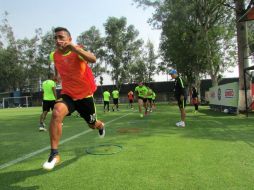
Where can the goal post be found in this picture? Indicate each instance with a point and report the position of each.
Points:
(14, 102)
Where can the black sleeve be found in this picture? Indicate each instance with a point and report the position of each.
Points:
(181, 87)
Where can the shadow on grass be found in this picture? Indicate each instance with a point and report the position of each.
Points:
(217, 126)
(206, 124)
(11, 180)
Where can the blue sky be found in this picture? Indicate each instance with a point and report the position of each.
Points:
(77, 15)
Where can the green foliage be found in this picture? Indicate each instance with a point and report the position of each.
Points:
(9, 72)
(25, 62)
(138, 71)
(123, 48)
(92, 41)
(46, 46)
(197, 36)
(22, 61)
(150, 60)
(251, 36)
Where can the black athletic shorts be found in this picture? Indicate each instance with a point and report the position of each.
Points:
(149, 100)
(181, 103)
(106, 102)
(144, 99)
(115, 101)
(48, 105)
(85, 107)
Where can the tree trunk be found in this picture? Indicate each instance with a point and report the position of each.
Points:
(213, 71)
(214, 80)
(242, 41)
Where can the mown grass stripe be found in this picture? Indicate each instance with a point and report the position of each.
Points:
(20, 159)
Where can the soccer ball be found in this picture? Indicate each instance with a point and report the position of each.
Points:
(225, 110)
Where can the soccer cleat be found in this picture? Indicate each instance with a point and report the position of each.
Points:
(51, 162)
(102, 131)
(178, 123)
(42, 128)
(181, 124)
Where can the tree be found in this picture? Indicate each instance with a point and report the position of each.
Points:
(26, 74)
(92, 41)
(8, 57)
(46, 46)
(150, 60)
(193, 34)
(216, 22)
(18, 60)
(242, 41)
(138, 72)
(123, 48)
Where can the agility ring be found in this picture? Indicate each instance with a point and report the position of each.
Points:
(104, 149)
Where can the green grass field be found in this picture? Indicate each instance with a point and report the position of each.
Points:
(214, 151)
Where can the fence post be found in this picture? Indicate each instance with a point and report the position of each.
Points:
(27, 101)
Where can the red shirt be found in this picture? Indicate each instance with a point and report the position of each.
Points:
(130, 96)
(77, 77)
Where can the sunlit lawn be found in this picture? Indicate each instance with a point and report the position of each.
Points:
(214, 151)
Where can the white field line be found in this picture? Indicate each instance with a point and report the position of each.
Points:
(20, 159)
(214, 121)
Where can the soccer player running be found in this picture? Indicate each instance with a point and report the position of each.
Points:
(78, 86)
(106, 97)
(180, 96)
(49, 98)
(141, 91)
(153, 100)
(130, 98)
(115, 95)
(149, 99)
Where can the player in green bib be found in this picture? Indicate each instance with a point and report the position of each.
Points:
(49, 98)
(153, 100)
(141, 91)
(115, 95)
(106, 97)
(149, 98)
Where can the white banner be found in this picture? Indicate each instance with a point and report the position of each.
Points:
(224, 95)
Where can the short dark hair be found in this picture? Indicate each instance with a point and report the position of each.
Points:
(58, 29)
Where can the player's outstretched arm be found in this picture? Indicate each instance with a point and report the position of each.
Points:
(86, 55)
